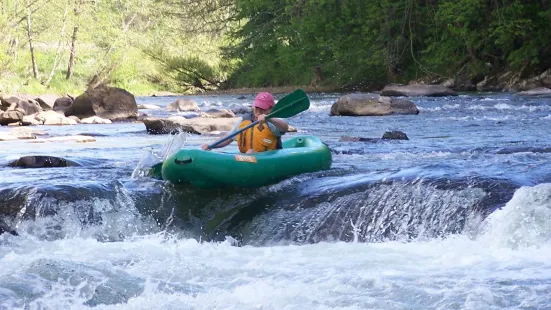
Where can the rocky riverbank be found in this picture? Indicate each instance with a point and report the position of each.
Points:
(105, 104)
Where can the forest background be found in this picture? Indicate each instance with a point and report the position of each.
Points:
(183, 46)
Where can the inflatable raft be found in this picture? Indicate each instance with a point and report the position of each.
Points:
(207, 169)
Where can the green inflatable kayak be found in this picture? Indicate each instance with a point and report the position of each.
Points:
(209, 169)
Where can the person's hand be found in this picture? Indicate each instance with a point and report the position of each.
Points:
(261, 118)
(250, 151)
(205, 147)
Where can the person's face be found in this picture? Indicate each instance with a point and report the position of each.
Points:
(258, 111)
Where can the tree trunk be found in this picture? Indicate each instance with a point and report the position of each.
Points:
(73, 52)
(30, 36)
(390, 48)
(58, 51)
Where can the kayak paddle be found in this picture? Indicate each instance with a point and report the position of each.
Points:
(288, 106)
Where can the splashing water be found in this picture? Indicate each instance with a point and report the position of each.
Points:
(150, 157)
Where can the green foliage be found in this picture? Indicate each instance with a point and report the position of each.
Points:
(487, 37)
(189, 45)
(359, 43)
(113, 41)
(351, 42)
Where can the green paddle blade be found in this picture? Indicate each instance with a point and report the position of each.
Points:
(291, 105)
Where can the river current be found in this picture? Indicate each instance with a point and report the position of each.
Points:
(456, 217)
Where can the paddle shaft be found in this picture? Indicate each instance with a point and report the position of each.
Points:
(215, 144)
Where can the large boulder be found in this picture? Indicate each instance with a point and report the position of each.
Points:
(414, 90)
(197, 125)
(106, 102)
(540, 91)
(47, 101)
(30, 120)
(490, 83)
(542, 80)
(47, 118)
(213, 113)
(371, 105)
(62, 104)
(22, 103)
(182, 105)
(242, 110)
(512, 81)
(460, 82)
(9, 117)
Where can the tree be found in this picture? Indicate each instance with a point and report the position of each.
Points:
(77, 10)
(59, 45)
(30, 39)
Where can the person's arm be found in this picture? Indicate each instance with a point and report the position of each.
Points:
(280, 124)
(226, 142)
(223, 144)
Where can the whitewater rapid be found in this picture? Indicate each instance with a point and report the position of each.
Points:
(503, 265)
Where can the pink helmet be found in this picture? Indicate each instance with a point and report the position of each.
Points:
(264, 101)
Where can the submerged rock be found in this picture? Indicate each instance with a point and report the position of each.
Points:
(357, 139)
(148, 106)
(21, 133)
(42, 162)
(389, 135)
(395, 135)
(78, 139)
(5, 228)
(95, 120)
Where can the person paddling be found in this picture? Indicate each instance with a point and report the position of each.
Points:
(265, 136)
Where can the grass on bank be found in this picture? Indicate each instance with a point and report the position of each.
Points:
(134, 72)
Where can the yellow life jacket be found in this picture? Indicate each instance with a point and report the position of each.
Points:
(260, 140)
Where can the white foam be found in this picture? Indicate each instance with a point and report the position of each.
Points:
(185, 274)
(525, 221)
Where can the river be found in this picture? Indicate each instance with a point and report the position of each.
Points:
(456, 217)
